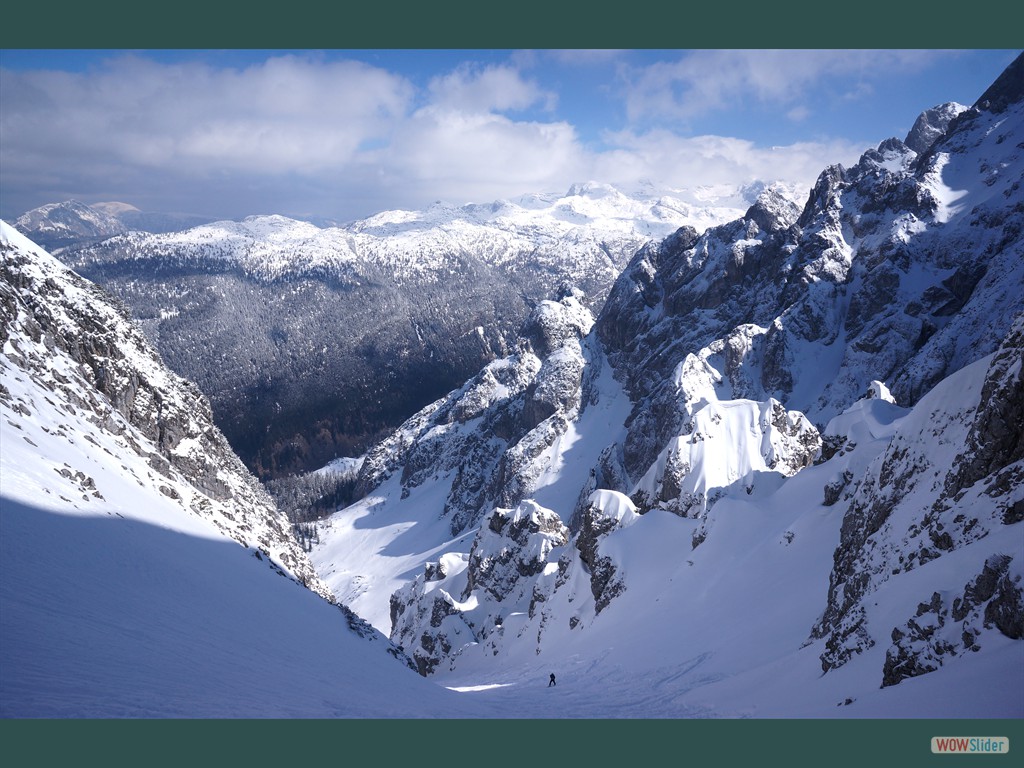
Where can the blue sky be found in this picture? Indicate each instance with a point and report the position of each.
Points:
(344, 134)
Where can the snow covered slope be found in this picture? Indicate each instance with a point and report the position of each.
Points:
(143, 571)
(123, 594)
(637, 622)
(711, 497)
(67, 346)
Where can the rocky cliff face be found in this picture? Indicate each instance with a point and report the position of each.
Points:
(452, 602)
(501, 447)
(903, 269)
(503, 594)
(74, 344)
(931, 125)
(493, 437)
(939, 631)
(937, 495)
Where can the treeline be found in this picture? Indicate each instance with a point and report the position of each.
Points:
(304, 498)
(307, 498)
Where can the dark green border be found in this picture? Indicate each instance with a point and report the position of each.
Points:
(529, 24)
(522, 24)
(831, 743)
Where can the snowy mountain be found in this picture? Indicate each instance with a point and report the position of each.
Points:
(309, 342)
(778, 474)
(125, 593)
(56, 225)
(72, 223)
(141, 567)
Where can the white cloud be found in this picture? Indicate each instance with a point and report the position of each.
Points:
(712, 160)
(493, 88)
(798, 114)
(478, 156)
(703, 81)
(285, 115)
(298, 135)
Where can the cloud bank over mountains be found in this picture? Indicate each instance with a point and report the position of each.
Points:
(328, 134)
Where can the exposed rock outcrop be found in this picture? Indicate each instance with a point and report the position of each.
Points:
(492, 436)
(941, 630)
(925, 498)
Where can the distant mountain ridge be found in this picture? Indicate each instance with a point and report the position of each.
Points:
(58, 224)
(411, 243)
(73, 223)
(326, 338)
